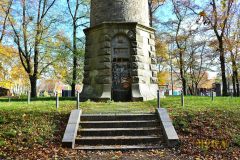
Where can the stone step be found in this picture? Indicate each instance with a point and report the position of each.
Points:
(119, 147)
(119, 124)
(118, 140)
(120, 131)
(117, 117)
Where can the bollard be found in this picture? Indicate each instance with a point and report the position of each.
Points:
(57, 101)
(78, 99)
(29, 97)
(158, 99)
(212, 95)
(182, 99)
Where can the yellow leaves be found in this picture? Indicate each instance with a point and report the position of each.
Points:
(161, 49)
(12, 71)
(7, 51)
(223, 4)
(6, 84)
(163, 78)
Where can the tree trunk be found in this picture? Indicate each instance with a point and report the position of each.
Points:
(74, 76)
(151, 18)
(235, 75)
(182, 74)
(234, 86)
(223, 69)
(196, 89)
(237, 84)
(234, 78)
(150, 13)
(33, 83)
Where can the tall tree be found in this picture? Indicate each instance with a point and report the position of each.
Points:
(232, 40)
(5, 8)
(29, 44)
(180, 39)
(76, 17)
(153, 7)
(216, 15)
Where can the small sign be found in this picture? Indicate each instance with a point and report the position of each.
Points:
(214, 94)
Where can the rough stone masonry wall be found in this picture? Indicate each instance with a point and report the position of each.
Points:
(97, 76)
(145, 58)
(119, 11)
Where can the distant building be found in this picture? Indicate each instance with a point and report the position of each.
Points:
(49, 87)
(4, 92)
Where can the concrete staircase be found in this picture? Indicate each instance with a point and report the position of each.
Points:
(119, 132)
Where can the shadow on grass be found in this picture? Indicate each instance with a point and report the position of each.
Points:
(16, 99)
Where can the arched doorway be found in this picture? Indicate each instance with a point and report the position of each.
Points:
(121, 69)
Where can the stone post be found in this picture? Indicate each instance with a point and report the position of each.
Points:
(182, 98)
(57, 101)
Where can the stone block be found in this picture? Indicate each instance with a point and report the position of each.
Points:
(107, 38)
(86, 80)
(168, 128)
(135, 72)
(154, 60)
(153, 67)
(152, 48)
(154, 80)
(170, 131)
(72, 128)
(154, 74)
(134, 44)
(105, 58)
(152, 54)
(138, 79)
(74, 117)
(86, 61)
(164, 117)
(131, 34)
(103, 79)
(87, 68)
(152, 42)
(104, 72)
(104, 65)
(106, 45)
(138, 58)
(140, 39)
(105, 51)
(137, 65)
(137, 51)
(86, 74)
(152, 36)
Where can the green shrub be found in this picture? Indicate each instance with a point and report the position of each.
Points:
(181, 123)
(2, 120)
(236, 140)
(2, 143)
(10, 134)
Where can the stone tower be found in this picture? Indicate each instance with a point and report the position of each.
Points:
(120, 60)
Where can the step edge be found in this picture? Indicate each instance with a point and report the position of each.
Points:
(116, 137)
(116, 129)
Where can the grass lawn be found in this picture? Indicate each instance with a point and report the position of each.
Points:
(207, 129)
